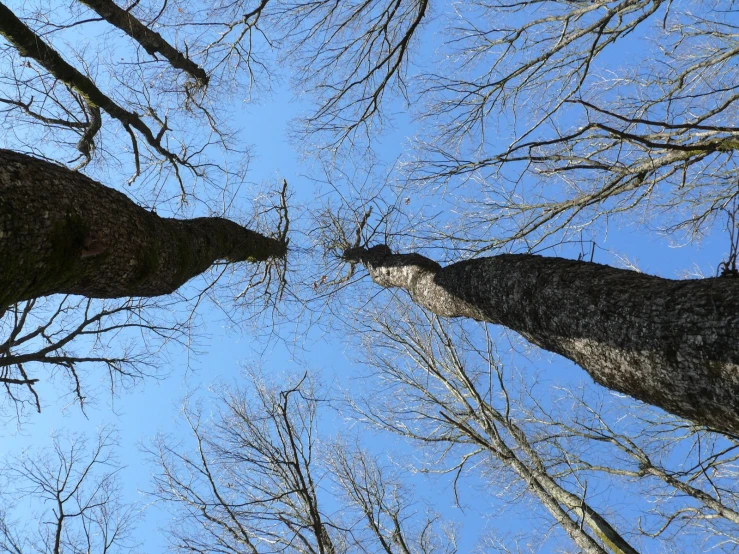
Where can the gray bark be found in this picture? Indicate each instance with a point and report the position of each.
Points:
(62, 232)
(672, 344)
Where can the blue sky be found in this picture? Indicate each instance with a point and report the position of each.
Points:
(154, 406)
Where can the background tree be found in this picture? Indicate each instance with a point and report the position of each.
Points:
(72, 102)
(645, 128)
(74, 496)
(261, 474)
(446, 389)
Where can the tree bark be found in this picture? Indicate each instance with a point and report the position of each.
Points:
(150, 40)
(62, 232)
(672, 344)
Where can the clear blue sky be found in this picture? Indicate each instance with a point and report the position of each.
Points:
(153, 407)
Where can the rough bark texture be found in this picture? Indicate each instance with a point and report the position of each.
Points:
(673, 344)
(150, 40)
(61, 232)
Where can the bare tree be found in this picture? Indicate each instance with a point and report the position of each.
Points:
(378, 506)
(65, 233)
(352, 74)
(259, 477)
(689, 474)
(351, 57)
(77, 492)
(446, 390)
(580, 146)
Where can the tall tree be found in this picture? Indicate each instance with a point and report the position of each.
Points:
(65, 233)
(580, 136)
(670, 343)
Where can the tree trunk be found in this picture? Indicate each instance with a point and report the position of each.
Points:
(62, 232)
(672, 344)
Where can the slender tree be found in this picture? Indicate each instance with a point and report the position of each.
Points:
(31, 45)
(78, 492)
(691, 493)
(612, 474)
(67, 96)
(260, 475)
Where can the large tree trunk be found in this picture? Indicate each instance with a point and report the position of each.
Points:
(61, 232)
(673, 344)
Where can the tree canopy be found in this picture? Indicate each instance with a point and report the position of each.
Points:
(475, 179)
